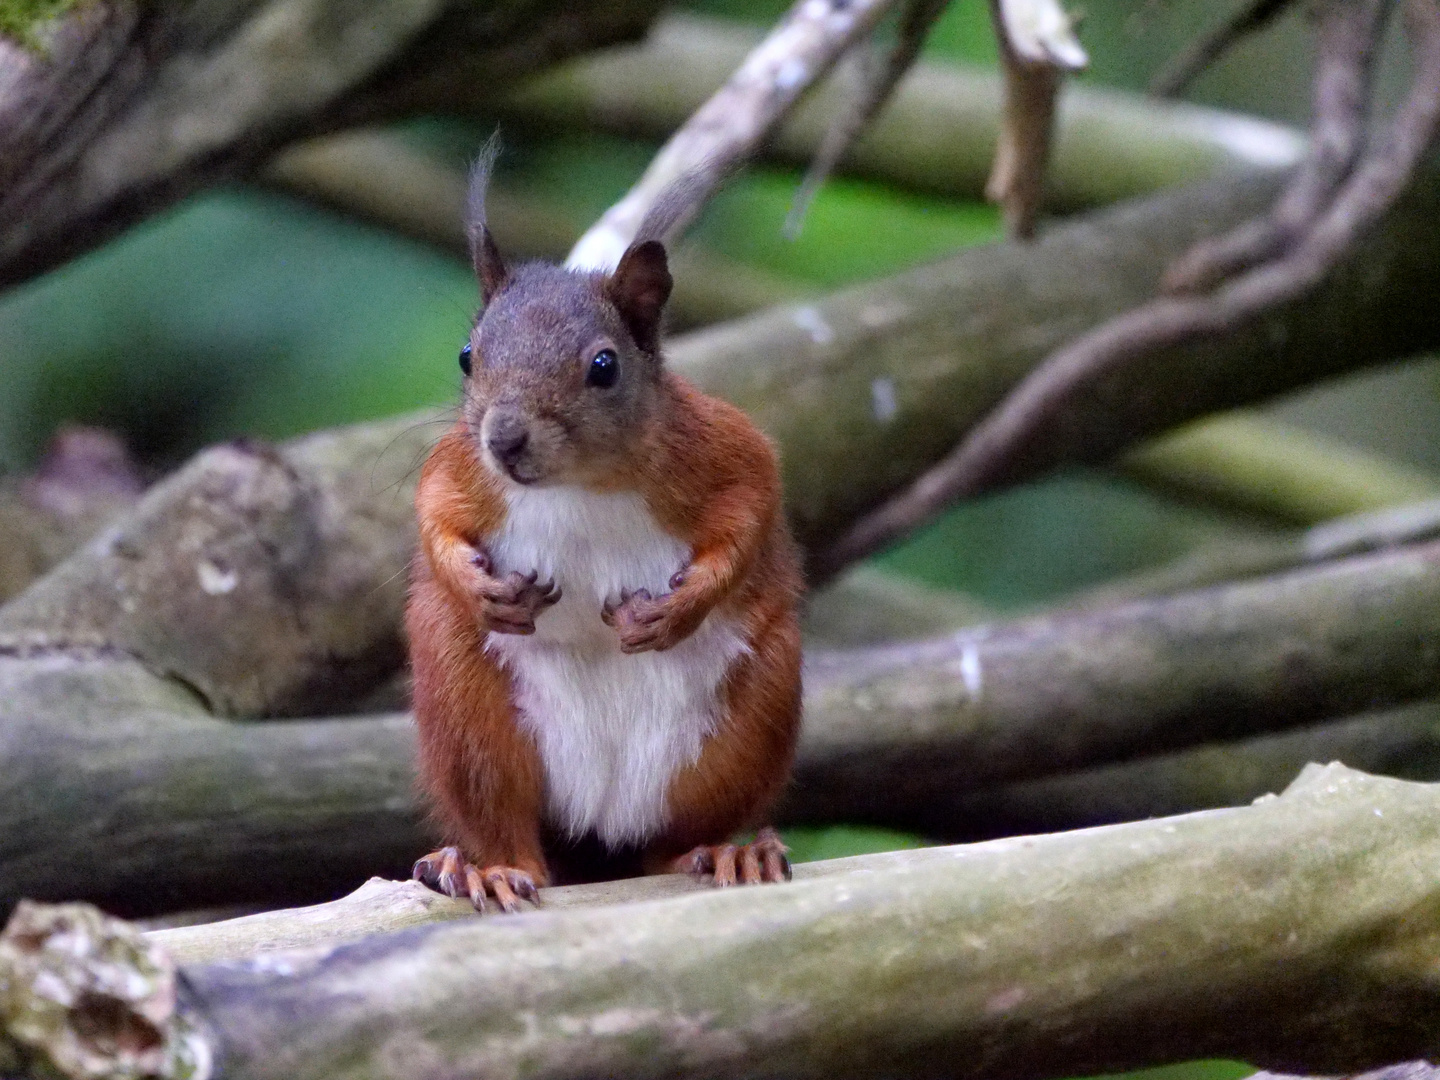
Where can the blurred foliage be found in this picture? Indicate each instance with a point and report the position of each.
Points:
(21, 19)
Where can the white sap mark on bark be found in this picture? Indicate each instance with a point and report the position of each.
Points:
(882, 399)
(813, 323)
(970, 669)
(791, 73)
(213, 580)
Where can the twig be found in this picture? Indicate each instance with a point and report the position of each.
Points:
(936, 134)
(1037, 45)
(1251, 16)
(1348, 41)
(874, 79)
(1010, 440)
(729, 127)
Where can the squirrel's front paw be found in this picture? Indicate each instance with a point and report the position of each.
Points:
(447, 871)
(645, 623)
(509, 604)
(762, 860)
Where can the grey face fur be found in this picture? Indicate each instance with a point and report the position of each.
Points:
(527, 402)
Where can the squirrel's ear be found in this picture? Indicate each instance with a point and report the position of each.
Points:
(489, 266)
(639, 288)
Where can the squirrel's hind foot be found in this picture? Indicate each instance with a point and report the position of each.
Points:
(762, 860)
(446, 871)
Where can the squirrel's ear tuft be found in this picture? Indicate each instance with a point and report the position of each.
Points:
(639, 288)
(489, 266)
(484, 255)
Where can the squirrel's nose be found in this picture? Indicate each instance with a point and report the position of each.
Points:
(506, 439)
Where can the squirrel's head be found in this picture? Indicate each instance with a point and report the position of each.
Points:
(562, 368)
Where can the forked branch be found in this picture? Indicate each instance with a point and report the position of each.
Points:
(1022, 430)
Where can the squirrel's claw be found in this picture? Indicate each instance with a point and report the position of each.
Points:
(448, 872)
(510, 604)
(644, 622)
(760, 861)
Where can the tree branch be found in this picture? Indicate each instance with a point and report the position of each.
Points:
(874, 75)
(1025, 699)
(1250, 17)
(1291, 933)
(936, 134)
(137, 105)
(729, 127)
(1022, 430)
(1348, 41)
(1403, 743)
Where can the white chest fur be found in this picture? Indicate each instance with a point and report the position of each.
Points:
(612, 729)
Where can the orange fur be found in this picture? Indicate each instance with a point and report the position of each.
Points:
(710, 479)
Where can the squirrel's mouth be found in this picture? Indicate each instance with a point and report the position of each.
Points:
(521, 471)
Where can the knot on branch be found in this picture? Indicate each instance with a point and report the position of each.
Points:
(88, 997)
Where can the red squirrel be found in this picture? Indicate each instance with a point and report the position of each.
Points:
(603, 612)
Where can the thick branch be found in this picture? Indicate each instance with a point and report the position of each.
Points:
(137, 105)
(1045, 695)
(1291, 934)
(1109, 388)
(1403, 743)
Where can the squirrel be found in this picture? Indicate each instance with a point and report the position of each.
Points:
(602, 614)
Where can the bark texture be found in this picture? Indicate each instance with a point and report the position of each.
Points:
(136, 105)
(1298, 933)
(892, 733)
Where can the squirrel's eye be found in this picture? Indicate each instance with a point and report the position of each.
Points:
(465, 359)
(604, 369)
